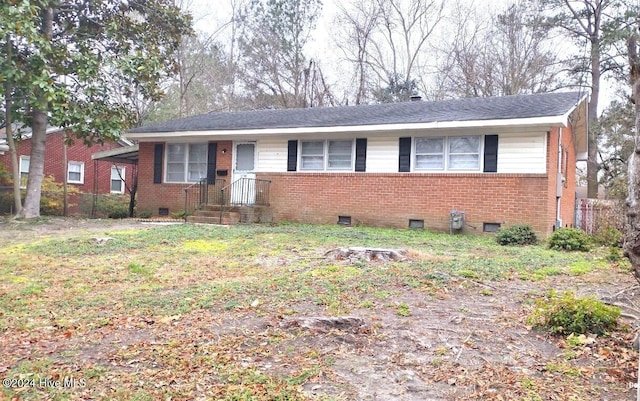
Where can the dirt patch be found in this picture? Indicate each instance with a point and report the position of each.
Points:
(16, 231)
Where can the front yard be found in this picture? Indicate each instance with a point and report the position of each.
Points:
(190, 312)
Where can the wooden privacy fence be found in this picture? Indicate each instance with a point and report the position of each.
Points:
(594, 214)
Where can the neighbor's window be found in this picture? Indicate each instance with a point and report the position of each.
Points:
(75, 173)
(326, 155)
(117, 179)
(430, 153)
(24, 170)
(464, 153)
(186, 162)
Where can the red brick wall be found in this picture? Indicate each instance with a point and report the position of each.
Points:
(568, 198)
(152, 196)
(78, 152)
(392, 199)
(568, 203)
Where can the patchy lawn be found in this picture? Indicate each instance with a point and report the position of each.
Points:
(196, 312)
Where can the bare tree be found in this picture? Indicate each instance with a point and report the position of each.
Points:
(356, 29)
(317, 91)
(407, 25)
(616, 143)
(503, 55)
(274, 34)
(387, 41)
(591, 23)
(207, 73)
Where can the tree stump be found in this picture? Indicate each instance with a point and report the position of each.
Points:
(324, 324)
(355, 254)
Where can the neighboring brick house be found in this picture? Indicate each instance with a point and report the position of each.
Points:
(84, 174)
(500, 160)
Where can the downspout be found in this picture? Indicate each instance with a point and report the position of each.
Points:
(559, 181)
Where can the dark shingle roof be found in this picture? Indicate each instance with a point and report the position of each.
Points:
(473, 109)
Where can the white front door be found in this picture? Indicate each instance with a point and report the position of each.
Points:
(243, 191)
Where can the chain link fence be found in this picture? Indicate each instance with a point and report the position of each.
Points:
(593, 215)
(78, 204)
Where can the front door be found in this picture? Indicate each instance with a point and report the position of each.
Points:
(243, 191)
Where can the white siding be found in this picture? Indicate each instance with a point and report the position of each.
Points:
(382, 155)
(522, 153)
(272, 155)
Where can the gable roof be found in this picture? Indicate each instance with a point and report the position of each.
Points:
(506, 108)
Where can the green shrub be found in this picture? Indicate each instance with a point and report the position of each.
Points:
(570, 239)
(51, 199)
(519, 234)
(144, 214)
(121, 212)
(608, 236)
(180, 214)
(615, 254)
(566, 314)
(112, 206)
(5, 177)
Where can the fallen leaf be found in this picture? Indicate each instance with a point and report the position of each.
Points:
(169, 319)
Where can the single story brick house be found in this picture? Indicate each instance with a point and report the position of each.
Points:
(500, 161)
(83, 173)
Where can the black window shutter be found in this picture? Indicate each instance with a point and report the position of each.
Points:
(211, 162)
(158, 151)
(404, 161)
(361, 154)
(292, 156)
(491, 153)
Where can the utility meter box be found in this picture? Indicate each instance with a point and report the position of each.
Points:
(456, 220)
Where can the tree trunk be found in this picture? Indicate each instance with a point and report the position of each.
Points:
(132, 196)
(632, 234)
(592, 142)
(13, 151)
(65, 178)
(31, 207)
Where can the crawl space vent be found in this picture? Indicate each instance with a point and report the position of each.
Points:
(163, 211)
(490, 227)
(344, 220)
(413, 223)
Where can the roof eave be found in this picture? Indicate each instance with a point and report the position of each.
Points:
(127, 154)
(536, 122)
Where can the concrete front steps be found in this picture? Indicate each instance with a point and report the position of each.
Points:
(210, 214)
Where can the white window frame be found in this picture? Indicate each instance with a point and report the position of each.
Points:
(447, 153)
(120, 177)
(185, 162)
(443, 153)
(23, 183)
(479, 153)
(75, 163)
(325, 156)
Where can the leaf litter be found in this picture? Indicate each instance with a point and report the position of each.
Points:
(462, 338)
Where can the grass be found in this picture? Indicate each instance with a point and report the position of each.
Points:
(152, 278)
